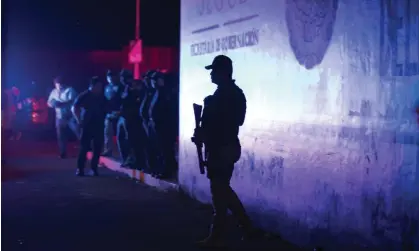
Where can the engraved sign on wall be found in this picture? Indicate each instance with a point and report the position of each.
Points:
(310, 26)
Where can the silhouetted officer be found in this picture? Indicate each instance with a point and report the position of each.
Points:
(150, 97)
(159, 127)
(113, 92)
(89, 110)
(224, 112)
(125, 149)
(131, 101)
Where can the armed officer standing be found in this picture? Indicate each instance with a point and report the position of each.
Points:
(224, 112)
(89, 110)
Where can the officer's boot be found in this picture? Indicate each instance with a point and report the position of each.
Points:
(249, 232)
(214, 240)
(217, 233)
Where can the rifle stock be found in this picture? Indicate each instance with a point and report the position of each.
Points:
(197, 112)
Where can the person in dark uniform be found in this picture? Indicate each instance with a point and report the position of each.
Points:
(113, 92)
(153, 111)
(174, 118)
(89, 110)
(159, 124)
(125, 150)
(144, 112)
(131, 100)
(224, 112)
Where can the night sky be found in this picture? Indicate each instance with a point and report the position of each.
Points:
(76, 25)
(87, 24)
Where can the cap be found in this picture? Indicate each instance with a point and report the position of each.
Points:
(221, 62)
(125, 73)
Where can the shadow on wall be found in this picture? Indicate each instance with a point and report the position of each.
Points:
(310, 27)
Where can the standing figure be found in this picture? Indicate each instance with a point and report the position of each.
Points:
(89, 111)
(224, 112)
(125, 150)
(160, 115)
(113, 92)
(154, 157)
(131, 100)
(61, 99)
(148, 94)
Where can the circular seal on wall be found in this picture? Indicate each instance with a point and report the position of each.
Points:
(310, 27)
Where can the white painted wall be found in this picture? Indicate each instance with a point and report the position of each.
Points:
(311, 167)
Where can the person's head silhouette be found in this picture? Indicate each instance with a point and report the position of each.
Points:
(221, 70)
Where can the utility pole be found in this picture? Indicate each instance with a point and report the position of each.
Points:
(137, 37)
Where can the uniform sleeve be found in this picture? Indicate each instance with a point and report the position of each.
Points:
(205, 113)
(80, 101)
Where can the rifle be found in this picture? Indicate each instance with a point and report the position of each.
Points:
(197, 112)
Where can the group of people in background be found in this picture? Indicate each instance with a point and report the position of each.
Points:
(142, 113)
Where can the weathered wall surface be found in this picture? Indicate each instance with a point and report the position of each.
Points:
(330, 139)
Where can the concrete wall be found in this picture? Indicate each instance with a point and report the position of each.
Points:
(330, 139)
